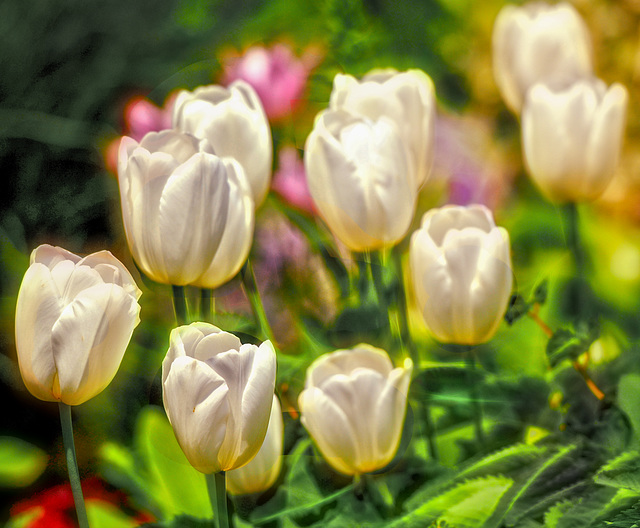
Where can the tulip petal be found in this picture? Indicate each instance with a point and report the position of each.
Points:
(37, 310)
(195, 399)
(330, 429)
(192, 216)
(89, 340)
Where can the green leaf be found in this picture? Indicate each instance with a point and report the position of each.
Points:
(515, 511)
(540, 293)
(518, 307)
(629, 401)
(468, 505)
(622, 472)
(20, 462)
(175, 486)
(579, 513)
(569, 344)
(105, 515)
(629, 518)
(512, 458)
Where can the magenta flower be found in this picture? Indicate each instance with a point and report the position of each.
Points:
(276, 74)
(142, 116)
(290, 180)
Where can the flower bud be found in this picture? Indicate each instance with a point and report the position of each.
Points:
(572, 138)
(408, 98)
(358, 175)
(263, 469)
(353, 406)
(233, 121)
(461, 270)
(177, 202)
(217, 394)
(536, 43)
(74, 320)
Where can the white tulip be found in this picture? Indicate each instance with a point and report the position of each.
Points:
(233, 121)
(217, 394)
(358, 175)
(176, 205)
(408, 98)
(461, 270)
(353, 406)
(572, 138)
(263, 469)
(74, 320)
(536, 43)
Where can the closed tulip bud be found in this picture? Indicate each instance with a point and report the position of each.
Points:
(572, 138)
(175, 200)
(353, 406)
(358, 175)
(74, 320)
(217, 394)
(461, 271)
(408, 98)
(536, 43)
(233, 121)
(263, 469)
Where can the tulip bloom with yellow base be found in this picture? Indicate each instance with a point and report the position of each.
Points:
(353, 406)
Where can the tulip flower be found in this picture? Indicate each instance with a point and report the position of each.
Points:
(461, 270)
(536, 43)
(74, 319)
(217, 394)
(358, 175)
(290, 180)
(353, 406)
(405, 97)
(572, 138)
(177, 201)
(263, 469)
(277, 75)
(233, 121)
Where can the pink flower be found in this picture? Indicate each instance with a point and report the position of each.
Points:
(276, 74)
(290, 180)
(140, 117)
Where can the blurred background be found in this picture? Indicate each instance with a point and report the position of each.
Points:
(70, 72)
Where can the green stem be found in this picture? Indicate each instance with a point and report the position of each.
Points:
(475, 398)
(206, 312)
(375, 266)
(217, 488)
(362, 281)
(424, 408)
(179, 304)
(579, 258)
(251, 289)
(72, 464)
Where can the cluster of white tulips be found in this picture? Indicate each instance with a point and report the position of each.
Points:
(188, 197)
(572, 124)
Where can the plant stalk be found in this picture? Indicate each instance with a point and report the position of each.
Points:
(253, 294)
(217, 488)
(475, 398)
(72, 464)
(206, 305)
(179, 304)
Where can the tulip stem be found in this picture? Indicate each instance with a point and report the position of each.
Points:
(206, 305)
(573, 241)
(259, 313)
(362, 283)
(179, 304)
(72, 464)
(217, 488)
(375, 265)
(475, 398)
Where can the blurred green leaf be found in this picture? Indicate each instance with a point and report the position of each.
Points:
(468, 505)
(518, 307)
(629, 401)
(20, 462)
(104, 515)
(175, 486)
(570, 344)
(622, 472)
